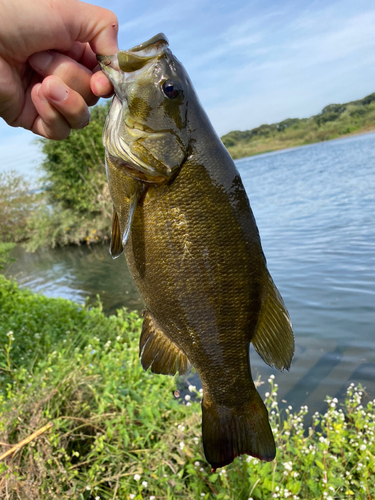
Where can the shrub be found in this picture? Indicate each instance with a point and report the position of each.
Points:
(17, 204)
(76, 207)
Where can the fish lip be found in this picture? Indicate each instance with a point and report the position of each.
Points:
(110, 67)
(158, 40)
(105, 61)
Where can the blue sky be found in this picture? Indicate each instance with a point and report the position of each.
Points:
(251, 62)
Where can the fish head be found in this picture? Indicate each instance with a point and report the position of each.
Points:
(146, 128)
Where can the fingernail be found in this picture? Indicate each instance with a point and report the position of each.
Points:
(57, 91)
(40, 60)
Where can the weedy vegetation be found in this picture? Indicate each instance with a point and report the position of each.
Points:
(109, 430)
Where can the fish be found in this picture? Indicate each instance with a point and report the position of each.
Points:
(183, 219)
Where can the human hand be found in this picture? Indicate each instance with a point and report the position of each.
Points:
(48, 67)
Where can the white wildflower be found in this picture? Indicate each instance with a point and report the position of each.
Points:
(187, 397)
(137, 477)
(182, 445)
(145, 484)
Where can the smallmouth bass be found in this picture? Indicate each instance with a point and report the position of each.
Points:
(182, 216)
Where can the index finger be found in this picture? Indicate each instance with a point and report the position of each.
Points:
(82, 53)
(98, 27)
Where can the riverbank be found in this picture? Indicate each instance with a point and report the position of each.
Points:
(335, 121)
(92, 425)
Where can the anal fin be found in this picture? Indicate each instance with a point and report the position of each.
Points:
(160, 353)
(274, 339)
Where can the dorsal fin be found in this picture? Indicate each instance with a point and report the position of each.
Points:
(274, 339)
(115, 248)
(158, 352)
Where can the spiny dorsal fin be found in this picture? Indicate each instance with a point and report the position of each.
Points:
(274, 339)
(115, 248)
(157, 351)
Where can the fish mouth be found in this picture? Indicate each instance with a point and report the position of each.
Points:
(110, 67)
(135, 58)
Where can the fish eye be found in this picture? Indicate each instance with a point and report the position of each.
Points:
(171, 89)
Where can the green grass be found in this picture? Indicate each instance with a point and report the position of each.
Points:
(120, 433)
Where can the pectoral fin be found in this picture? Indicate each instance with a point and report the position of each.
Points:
(160, 353)
(118, 241)
(274, 339)
(115, 248)
(133, 204)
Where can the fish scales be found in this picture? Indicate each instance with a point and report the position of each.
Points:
(182, 216)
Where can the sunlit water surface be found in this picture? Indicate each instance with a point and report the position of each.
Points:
(315, 209)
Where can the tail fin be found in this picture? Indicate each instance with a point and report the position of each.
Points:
(229, 432)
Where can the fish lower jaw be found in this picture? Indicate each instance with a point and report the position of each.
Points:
(134, 171)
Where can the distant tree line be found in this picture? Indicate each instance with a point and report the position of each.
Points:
(333, 121)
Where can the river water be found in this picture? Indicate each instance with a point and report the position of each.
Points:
(315, 209)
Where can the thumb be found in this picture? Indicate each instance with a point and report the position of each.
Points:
(98, 27)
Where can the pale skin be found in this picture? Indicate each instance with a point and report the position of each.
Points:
(48, 69)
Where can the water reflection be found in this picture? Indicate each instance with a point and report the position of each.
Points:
(78, 273)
